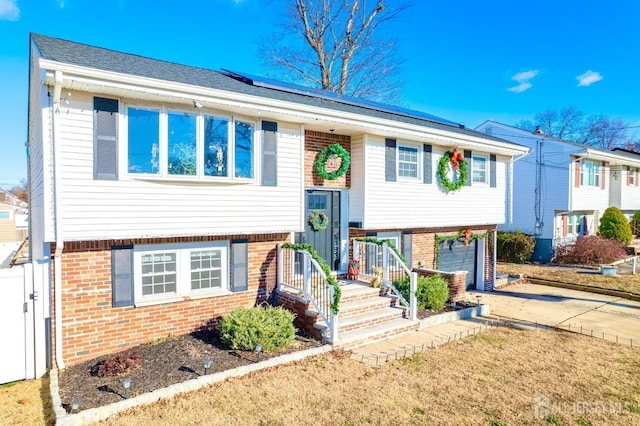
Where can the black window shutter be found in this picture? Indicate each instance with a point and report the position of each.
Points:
(239, 265)
(105, 139)
(427, 164)
(269, 153)
(390, 160)
(492, 170)
(467, 158)
(407, 247)
(122, 276)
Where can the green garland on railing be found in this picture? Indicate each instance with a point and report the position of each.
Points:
(380, 242)
(439, 239)
(337, 291)
(321, 162)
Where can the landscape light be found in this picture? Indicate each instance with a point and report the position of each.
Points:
(258, 350)
(75, 405)
(126, 383)
(207, 364)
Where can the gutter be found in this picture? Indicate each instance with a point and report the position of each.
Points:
(57, 90)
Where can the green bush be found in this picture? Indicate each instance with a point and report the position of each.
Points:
(635, 223)
(432, 292)
(614, 226)
(515, 247)
(246, 327)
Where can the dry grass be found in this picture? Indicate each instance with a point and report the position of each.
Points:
(26, 403)
(494, 376)
(630, 283)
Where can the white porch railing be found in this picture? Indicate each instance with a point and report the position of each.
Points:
(299, 271)
(370, 254)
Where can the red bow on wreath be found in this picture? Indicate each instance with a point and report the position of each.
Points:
(456, 157)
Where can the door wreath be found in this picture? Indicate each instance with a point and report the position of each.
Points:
(459, 165)
(318, 220)
(321, 162)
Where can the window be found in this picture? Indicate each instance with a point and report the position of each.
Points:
(407, 162)
(184, 144)
(573, 224)
(479, 169)
(5, 215)
(633, 176)
(144, 142)
(162, 272)
(590, 173)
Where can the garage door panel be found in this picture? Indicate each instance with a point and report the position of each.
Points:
(455, 256)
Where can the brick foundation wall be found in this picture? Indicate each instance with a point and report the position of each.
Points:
(314, 143)
(457, 282)
(92, 327)
(296, 305)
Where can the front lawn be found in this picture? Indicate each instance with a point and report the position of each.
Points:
(501, 375)
(586, 276)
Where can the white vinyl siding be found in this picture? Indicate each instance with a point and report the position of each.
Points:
(358, 176)
(135, 207)
(410, 204)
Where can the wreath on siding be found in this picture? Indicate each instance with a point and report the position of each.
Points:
(318, 220)
(459, 166)
(321, 162)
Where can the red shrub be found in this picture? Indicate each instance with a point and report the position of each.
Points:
(590, 250)
(122, 363)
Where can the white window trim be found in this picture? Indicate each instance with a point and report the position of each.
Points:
(418, 163)
(597, 177)
(163, 148)
(486, 169)
(183, 272)
(633, 176)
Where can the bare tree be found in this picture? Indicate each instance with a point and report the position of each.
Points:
(21, 191)
(339, 46)
(598, 130)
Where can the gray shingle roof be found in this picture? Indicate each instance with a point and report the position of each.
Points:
(69, 52)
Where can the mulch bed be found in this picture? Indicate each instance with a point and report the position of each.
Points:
(425, 313)
(165, 362)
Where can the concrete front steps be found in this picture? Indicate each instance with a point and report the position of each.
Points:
(367, 315)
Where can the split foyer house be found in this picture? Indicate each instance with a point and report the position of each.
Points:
(562, 188)
(162, 192)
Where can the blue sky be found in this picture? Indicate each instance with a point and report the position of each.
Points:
(465, 60)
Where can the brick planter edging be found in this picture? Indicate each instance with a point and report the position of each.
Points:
(462, 314)
(101, 413)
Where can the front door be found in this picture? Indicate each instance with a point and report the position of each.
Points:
(323, 206)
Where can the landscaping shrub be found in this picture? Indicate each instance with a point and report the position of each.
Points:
(591, 250)
(244, 328)
(614, 226)
(119, 364)
(515, 247)
(432, 292)
(635, 223)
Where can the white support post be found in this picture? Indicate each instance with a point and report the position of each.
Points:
(385, 263)
(633, 265)
(307, 276)
(413, 301)
(355, 253)
(280, 270)
(334, 321)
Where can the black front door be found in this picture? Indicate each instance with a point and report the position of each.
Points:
(326, 242)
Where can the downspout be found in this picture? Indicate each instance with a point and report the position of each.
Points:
(57, 90)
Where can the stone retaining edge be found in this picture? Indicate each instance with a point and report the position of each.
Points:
(101, 413)
(462, 314)
(586, 288)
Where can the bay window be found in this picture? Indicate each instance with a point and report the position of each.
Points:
(188, 144)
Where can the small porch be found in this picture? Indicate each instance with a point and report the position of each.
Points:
(362, 307)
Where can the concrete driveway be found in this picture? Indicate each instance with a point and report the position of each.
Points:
(616, 317)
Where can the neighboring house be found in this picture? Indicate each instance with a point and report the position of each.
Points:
(160, 192)
(562, 188)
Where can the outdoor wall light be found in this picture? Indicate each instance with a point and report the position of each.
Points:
(75, 405)
(258, 350)
(197, 104)
(207, 364)
(126, 383)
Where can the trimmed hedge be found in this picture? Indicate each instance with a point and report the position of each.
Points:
(515, 247)
(270, 326)
(432, 292)
(614, 226)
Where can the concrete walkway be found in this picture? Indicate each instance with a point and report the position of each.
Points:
(523, 305)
